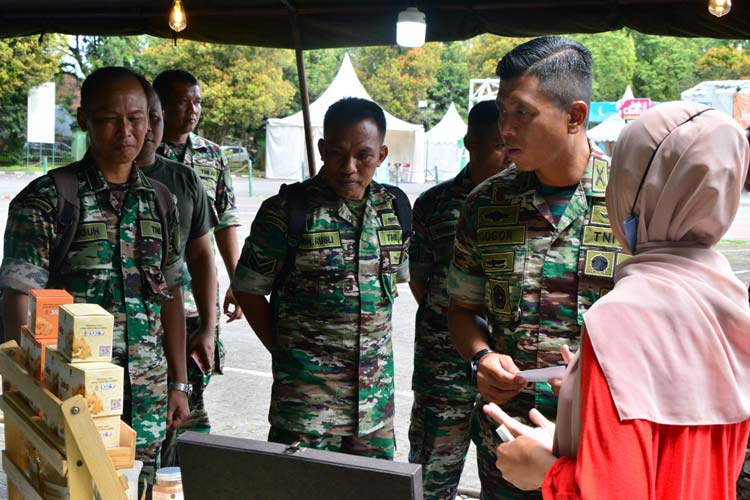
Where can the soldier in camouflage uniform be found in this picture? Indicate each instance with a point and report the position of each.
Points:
(329, 328)
(116, 259)
(443, 395)
(533, 246)
(181, 100)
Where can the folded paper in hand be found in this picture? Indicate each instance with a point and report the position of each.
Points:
(543, 374)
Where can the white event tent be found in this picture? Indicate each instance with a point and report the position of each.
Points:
(608, 131)
(285, 137)
(445, 147)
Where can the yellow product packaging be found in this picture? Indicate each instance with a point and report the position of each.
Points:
(54, 362)
(109, 430)
(33, 352)
(85, 333)
(101, 384)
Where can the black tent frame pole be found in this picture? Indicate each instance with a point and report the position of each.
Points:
(304, 96)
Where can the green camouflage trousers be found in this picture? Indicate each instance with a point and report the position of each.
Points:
(378, 444)
(439, 439)
(198, 419)
(743, 483)
(494, 487)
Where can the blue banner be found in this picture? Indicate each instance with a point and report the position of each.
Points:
(600, 110)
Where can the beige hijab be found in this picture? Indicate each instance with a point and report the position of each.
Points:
(673, 336)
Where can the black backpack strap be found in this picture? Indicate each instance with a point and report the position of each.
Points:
(296, 199)
(402, 207)
(164, 206)
(68, 214)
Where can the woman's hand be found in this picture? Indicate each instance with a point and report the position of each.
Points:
(555, 383)
(524, 462)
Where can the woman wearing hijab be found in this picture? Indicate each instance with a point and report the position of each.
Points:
(656, 405)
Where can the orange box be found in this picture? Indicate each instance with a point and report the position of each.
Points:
(44, 311)
(33, 352)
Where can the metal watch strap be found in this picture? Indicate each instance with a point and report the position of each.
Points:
(186, 388)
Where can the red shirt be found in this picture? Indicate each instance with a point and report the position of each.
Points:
(642, 460)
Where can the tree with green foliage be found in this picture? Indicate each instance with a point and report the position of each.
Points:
(451, 85)
(665, 66)
(398, 78)
(484, 51)
(24, 63)
(240, 85)
(613, 54)
(724, 63)
(87, 53)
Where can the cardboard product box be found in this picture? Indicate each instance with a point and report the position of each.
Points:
(108, 428)
(33, 352)
(101, 384)
(54, 362)
(85, 333)
(43, 313)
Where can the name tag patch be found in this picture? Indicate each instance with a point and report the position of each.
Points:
(601, 176)
(207, 172)
(151, 229)
(600, 263)
(498, 262)
(499, 296)
(92, 231)
(394, 257)
(389, 237)
(320, 240)
(498, 216)
(389, 219)
(599, 215)
(446, 229)
(599, 236)
(513, 235)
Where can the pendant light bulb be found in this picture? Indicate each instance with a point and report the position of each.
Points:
(411, 28)
(719, 7)
(177, 17)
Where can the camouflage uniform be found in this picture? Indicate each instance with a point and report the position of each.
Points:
(115, 261)
(535, 279)
(443, 394)
(211, 165)
(332, 351)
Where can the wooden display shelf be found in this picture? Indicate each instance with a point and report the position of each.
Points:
(80, 458)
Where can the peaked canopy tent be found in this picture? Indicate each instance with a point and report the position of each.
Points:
(607, 132)
(445, 152)
(285, 139)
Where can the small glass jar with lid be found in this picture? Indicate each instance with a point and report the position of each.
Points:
(168, 484)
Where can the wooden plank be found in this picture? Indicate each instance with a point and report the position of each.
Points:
(86, 454)
(19, 479)
(34, 431)
(123, 457)
(23, 382)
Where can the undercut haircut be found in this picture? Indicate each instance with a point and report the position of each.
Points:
(483, 119)
(352, 110)
(563, 67)
(164, 82)
(102, 76)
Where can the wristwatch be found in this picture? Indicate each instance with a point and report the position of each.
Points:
(473, 364)
(186, 388)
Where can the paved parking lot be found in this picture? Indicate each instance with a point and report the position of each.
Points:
(238, 401)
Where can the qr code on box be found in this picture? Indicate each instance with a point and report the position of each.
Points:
(115, 404)
(105, 351)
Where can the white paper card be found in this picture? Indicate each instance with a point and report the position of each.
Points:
(543, 374)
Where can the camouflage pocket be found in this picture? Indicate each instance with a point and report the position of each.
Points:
(388, 284)
(155, 284)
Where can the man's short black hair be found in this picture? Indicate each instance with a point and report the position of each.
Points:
(483, 118)
(164, 81)
(101, 76)
(563, 67)
(352, 110)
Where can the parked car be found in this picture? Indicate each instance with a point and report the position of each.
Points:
(236, 154)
